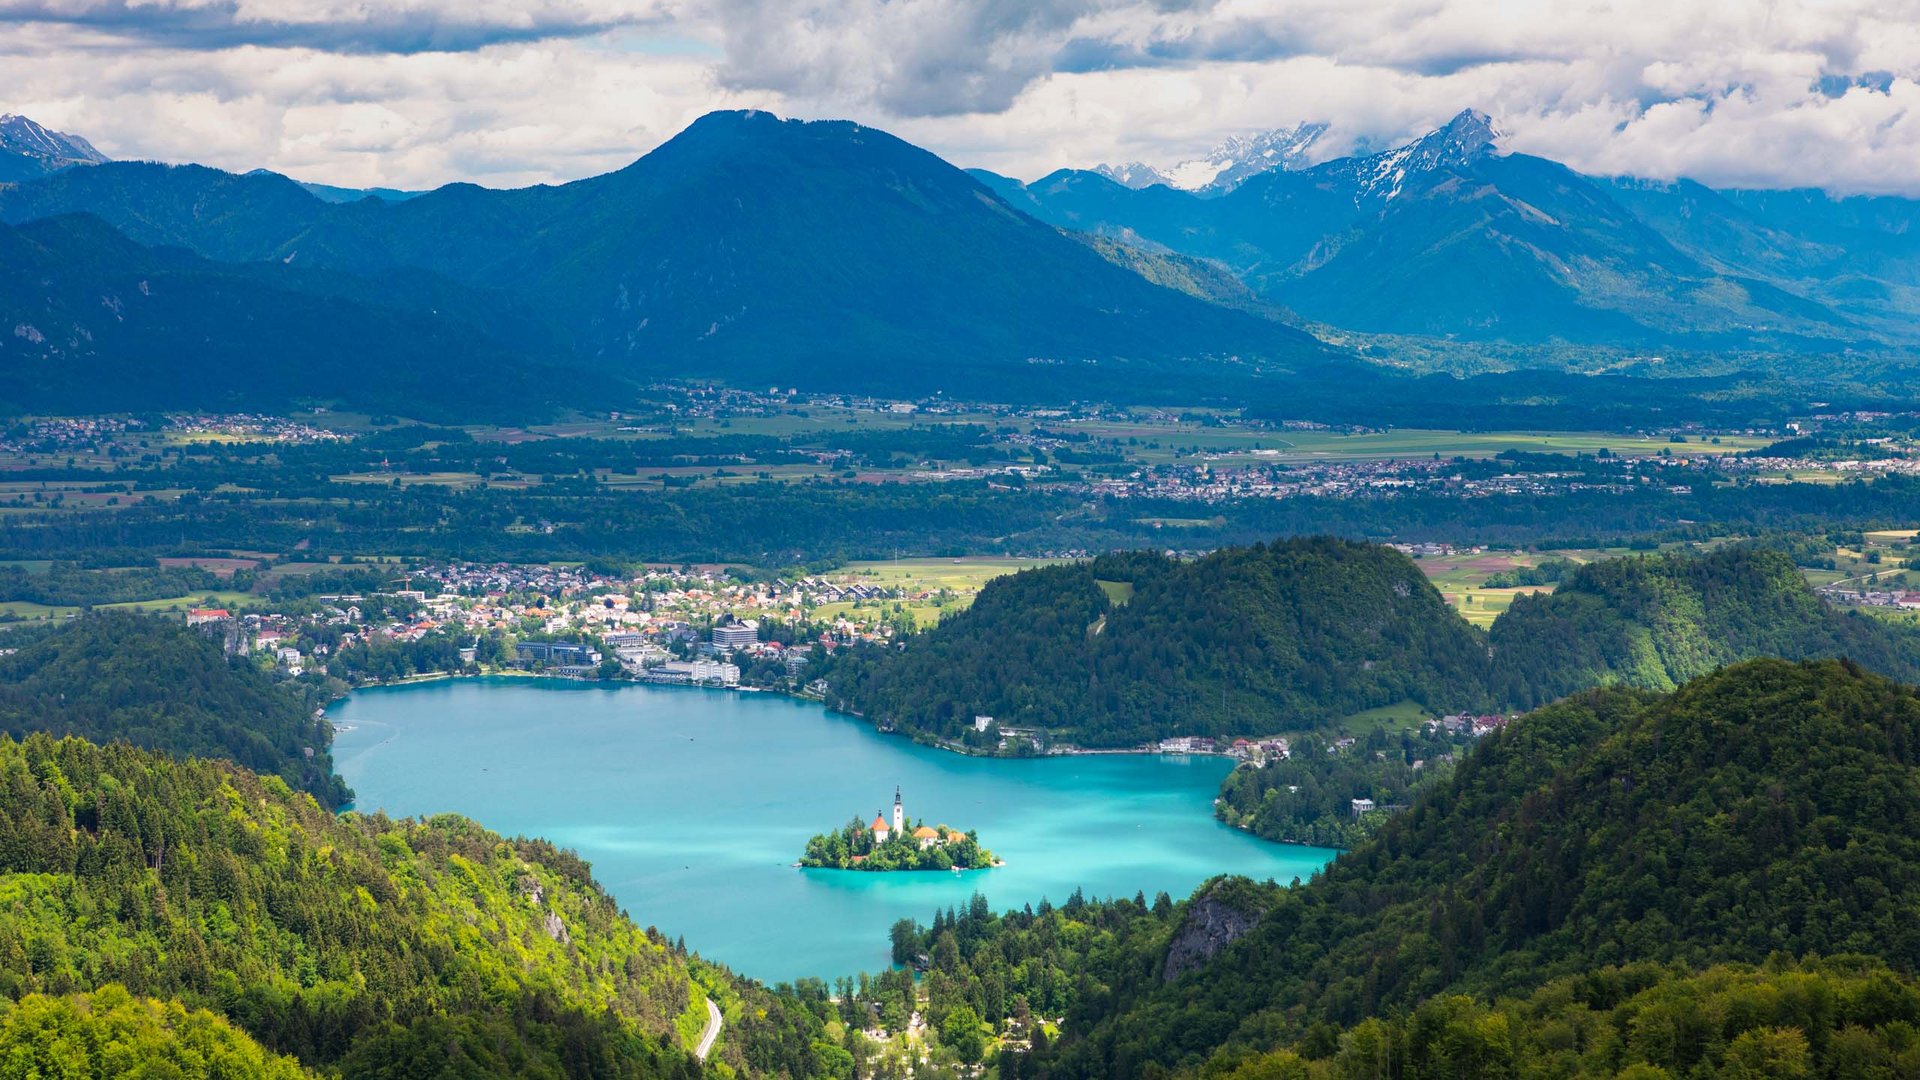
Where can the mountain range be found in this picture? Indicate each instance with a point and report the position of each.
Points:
(1226, 165)
(1447, 238)
(831, 256)
(772, 252)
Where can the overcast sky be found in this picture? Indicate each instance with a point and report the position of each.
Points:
(415, 93)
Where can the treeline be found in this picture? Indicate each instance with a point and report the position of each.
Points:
(1769, 808)
(163, 686)
(65, 584)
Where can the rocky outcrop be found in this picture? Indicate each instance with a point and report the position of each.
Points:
(1219, 915)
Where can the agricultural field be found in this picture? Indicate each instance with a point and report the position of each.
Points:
(1462, 579)
(934, 587)
(964, 575)
(1181, 444)
(27, 610)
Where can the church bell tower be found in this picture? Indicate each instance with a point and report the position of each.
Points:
(899, 814)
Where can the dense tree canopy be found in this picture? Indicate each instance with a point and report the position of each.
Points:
(110, 1034)
(353, 941)
(1849, 1019)
(158, 684)
(1290, 636)
(1245, 640)
(1656, 621)
(1768, 808)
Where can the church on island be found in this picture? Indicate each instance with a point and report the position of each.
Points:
(896, 844)
(923, 837)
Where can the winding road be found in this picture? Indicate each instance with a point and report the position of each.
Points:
(713, 1031)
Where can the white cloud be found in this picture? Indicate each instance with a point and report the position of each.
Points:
(419, 92)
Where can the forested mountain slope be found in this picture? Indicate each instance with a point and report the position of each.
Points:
(1263, 638)
(1657, 621)
(1767, 808)
(159, 685)
(377, 947)
(98, 323)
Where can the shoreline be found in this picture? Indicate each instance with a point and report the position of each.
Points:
(934, 742)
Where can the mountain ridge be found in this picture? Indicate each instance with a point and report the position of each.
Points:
(789, 252)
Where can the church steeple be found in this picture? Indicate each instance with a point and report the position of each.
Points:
(899, 813)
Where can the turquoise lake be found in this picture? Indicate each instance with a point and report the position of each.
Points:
(693, 804)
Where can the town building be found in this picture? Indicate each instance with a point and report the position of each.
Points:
(556, 654)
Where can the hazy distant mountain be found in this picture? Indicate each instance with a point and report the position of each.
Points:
(832, 256)
(91, 321)
(1225, 166)
(1134, 174)
(808, 254)
(28, 151)
(332, 194)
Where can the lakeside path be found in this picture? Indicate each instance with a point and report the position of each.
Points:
(713, 1031)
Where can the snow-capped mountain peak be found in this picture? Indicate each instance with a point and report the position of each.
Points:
(1134, 174)
(32, 148)
(1227, 165)
(1466, 138)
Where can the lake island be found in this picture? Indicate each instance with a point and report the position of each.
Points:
(896, 845)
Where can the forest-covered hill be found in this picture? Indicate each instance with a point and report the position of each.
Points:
(1129, 647)
(1657, 621)
(157, 684)
(1298, 634)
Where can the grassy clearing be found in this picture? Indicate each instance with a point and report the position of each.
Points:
(1403, 715)
(26, 609)
(967, 574)
(1118, 592)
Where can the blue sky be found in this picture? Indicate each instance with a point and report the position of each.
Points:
(421, 92)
